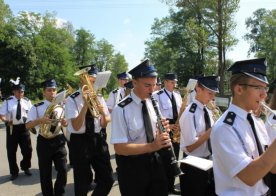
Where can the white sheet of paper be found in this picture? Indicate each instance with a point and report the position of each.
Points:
(102, 79)
(59, 97)
(203, 164)
(191, 84)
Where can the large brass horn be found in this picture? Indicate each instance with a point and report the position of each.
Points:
(92, 99)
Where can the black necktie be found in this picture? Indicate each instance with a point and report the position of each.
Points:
(147, 122)
(207, 126)
(266, 178)
(89, 123)
(18, 110)
(174, 108)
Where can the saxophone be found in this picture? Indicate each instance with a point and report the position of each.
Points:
(168, 152)
(216, 112)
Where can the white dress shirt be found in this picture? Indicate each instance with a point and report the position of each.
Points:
(9, 109)
(192, 125)
(115, 97)
(234, 148)
(127, 124)
(73, 107)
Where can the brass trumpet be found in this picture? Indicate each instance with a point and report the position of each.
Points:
(92, 100)
(267, 112)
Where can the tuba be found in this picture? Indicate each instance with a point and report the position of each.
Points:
(92, 100)
(55, 112)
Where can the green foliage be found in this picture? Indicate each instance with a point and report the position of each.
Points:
(37, 47)
(262, 37)
(194, 39)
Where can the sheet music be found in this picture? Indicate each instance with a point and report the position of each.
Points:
(200, 163)
(102, 79)
(59, 97)
(191, 84)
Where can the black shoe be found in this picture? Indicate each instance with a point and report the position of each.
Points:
(92, 186)
(13, 177)
(27, 172)
(175, 191)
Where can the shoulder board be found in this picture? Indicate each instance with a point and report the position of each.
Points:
(160, 92)
(230, 118)
(193, 108)
(115, 91)
(26, 98)
(125, 102)
(39, 104)
(75, 94)
(274, 117)
(9, 98)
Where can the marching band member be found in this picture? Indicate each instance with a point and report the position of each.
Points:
(49, 150)
(170, 103)
(88, 147)
(14, 113)
(241, 156)
(271, 129)
(195, 125)
(119, 93)
(136, 139)
(158, 85)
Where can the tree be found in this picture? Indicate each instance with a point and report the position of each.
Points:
(262, 37)
(84, 48)
(217, 17)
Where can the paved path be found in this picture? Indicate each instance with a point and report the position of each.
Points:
(30, 185)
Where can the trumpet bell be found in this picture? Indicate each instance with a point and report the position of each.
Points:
(82, 71)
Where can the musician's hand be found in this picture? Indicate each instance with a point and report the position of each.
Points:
(64, 122)
(161, 140)
(166, 125)
(44, 120)
(175, 127)
(101, 109)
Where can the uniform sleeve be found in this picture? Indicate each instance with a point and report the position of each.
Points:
(110, 102)
(228, 151)
(3, 109)
(118, 126)
(32, 115)
(70, 109)
(188, 131)
(101, 99)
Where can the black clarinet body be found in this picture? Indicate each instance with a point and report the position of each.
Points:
(167, 154)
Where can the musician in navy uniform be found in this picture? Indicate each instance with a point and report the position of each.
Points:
(196, 123)
(170, 102)
(271, 128)
(14, 113)
(50, 148)
(158, 84)
(137, 140)
(241, 156)
(119, 93)
(88, 147)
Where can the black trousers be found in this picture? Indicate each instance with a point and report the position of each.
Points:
(49, 151)
(18, 136)
(141, 175)
(196, 182)
(273, 184)
(90, 151)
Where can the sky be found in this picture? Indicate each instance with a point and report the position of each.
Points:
(126, 24)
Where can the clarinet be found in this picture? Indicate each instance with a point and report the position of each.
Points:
(168, 153)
